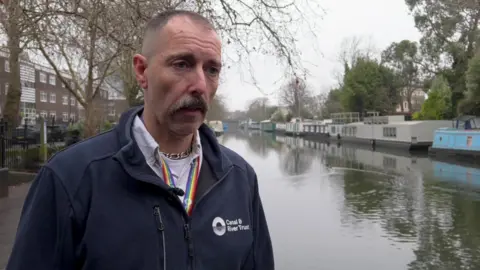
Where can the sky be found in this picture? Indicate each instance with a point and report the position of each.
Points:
(377, 22)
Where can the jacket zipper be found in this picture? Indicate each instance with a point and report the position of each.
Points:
(187, 226)
(161, 228)
(188, 239)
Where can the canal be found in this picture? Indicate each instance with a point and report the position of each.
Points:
(333, 207)
(345, 207)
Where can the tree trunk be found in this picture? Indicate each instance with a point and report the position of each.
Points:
(12, 103)
(90, 125)
(409, 99)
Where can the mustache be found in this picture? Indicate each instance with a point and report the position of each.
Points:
(190, 103)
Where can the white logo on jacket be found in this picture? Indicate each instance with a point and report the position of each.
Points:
(222, 226)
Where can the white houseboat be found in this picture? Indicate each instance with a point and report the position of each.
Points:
(393, 131)
(339, 120)
(296, 126)
(316, 129)
(280, 128)
(217, 127)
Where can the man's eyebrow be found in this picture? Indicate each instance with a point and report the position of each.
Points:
(215, 63)
(182, 55)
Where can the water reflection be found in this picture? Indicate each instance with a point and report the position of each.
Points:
(425, 210)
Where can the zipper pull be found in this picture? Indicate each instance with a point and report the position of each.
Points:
(186, 229)
(188, 237)
(158, 218)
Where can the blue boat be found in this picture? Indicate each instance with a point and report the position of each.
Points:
(462, 139)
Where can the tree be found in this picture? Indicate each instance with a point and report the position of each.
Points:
(368, 86)
(258, 109)
(260, 27)
(69, 37)
(471, 103)
(450, 32)
(17, 24)
(315, 105)
(351, 49)
(295, 95)
(404, 59)
(438, 104)
(123, 68)
(94, 39)
(332, 103)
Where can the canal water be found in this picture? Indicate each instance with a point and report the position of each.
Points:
(333, 207)
(345, 207)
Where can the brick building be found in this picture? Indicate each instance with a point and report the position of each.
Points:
(117, 103)
(54, 101)
(27, 82)
(43, 94)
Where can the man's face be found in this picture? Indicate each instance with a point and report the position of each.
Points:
(181, 75)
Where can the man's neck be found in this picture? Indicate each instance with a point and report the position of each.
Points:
(168, 142)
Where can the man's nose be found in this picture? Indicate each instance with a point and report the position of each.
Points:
(199, 81)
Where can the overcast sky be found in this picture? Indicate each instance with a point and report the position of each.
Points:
(377, 21)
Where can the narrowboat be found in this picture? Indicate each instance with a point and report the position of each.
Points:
(393, 131)
(461, 139)
(267, 126)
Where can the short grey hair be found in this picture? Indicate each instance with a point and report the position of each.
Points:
(158, 21)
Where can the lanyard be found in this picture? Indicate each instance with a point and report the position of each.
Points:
(192, 182)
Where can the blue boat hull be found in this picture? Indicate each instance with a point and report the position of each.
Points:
(456, 141)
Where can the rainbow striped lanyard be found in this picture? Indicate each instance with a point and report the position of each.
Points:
(191, 188)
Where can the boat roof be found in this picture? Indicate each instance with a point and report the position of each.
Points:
(399, 123)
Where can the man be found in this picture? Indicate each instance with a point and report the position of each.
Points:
(158, 191)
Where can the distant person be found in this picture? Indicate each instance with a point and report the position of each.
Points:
(158, 191)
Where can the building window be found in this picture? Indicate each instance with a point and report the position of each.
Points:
(390, 132)
(53, 98)
(65, 100)
(72, 117)
(72, 101)
(43, 114)
(43, 77)
(6, 66)
(52, 80)
(43, 96)
(6, 88)
(111, 111)
(53, 115)
(65, 117)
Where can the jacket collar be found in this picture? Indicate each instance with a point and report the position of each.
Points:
(133, 161)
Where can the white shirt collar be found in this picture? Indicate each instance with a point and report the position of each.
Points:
(150, 147)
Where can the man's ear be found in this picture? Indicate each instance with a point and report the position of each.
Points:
(140, 65)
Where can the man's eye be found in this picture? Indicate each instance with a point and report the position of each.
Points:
(181, 65)
(213, 71)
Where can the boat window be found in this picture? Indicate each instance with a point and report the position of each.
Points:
(390, 132)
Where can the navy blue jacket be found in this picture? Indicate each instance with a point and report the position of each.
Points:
(98, 206)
